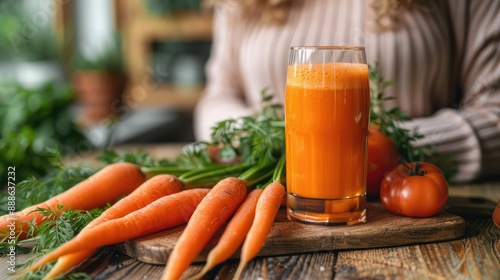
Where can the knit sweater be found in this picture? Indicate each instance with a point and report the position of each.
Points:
(444, 60)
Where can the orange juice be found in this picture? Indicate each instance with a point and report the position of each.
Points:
(327, 110)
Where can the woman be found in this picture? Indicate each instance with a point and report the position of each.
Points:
(444, 57)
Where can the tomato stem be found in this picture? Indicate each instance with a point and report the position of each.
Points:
(416, 171)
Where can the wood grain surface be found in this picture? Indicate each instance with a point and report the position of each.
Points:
(382, 229)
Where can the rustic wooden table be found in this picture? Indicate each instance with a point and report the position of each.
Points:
(476, 255)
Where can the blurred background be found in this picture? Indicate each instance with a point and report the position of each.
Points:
(80, 75)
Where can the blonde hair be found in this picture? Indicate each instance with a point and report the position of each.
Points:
(276, 11)
(271, 11)
(387, 11)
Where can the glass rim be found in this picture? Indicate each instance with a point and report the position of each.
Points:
(346, 48)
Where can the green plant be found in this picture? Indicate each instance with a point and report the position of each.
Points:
(22, 37)
(32, 120)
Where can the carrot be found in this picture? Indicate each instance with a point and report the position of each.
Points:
(234, 233)
(267, 207)
(214, 210)
(163, 213)
(153, 189)
(105, 186)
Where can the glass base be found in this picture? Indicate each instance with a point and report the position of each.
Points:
(349, 211)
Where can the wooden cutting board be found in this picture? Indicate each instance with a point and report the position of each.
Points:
(382, 229)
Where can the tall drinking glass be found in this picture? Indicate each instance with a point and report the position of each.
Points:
(327, 107)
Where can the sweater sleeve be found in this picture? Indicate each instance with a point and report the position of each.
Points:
(471, 133)
(223, 96)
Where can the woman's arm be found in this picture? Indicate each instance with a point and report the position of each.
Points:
(223, 96)
(470, 134)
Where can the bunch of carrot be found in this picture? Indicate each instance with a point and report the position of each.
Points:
(159, 203)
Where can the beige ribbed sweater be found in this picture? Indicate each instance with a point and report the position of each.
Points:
(445, 62)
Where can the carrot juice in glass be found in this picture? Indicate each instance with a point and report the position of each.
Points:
(327, 107)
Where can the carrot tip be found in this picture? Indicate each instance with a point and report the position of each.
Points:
(198, 275)
(239, 270)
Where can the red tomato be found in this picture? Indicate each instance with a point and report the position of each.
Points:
(383, 156)
(496, 215)
(418, 191)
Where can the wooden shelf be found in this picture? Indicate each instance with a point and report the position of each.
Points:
(140, 31)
